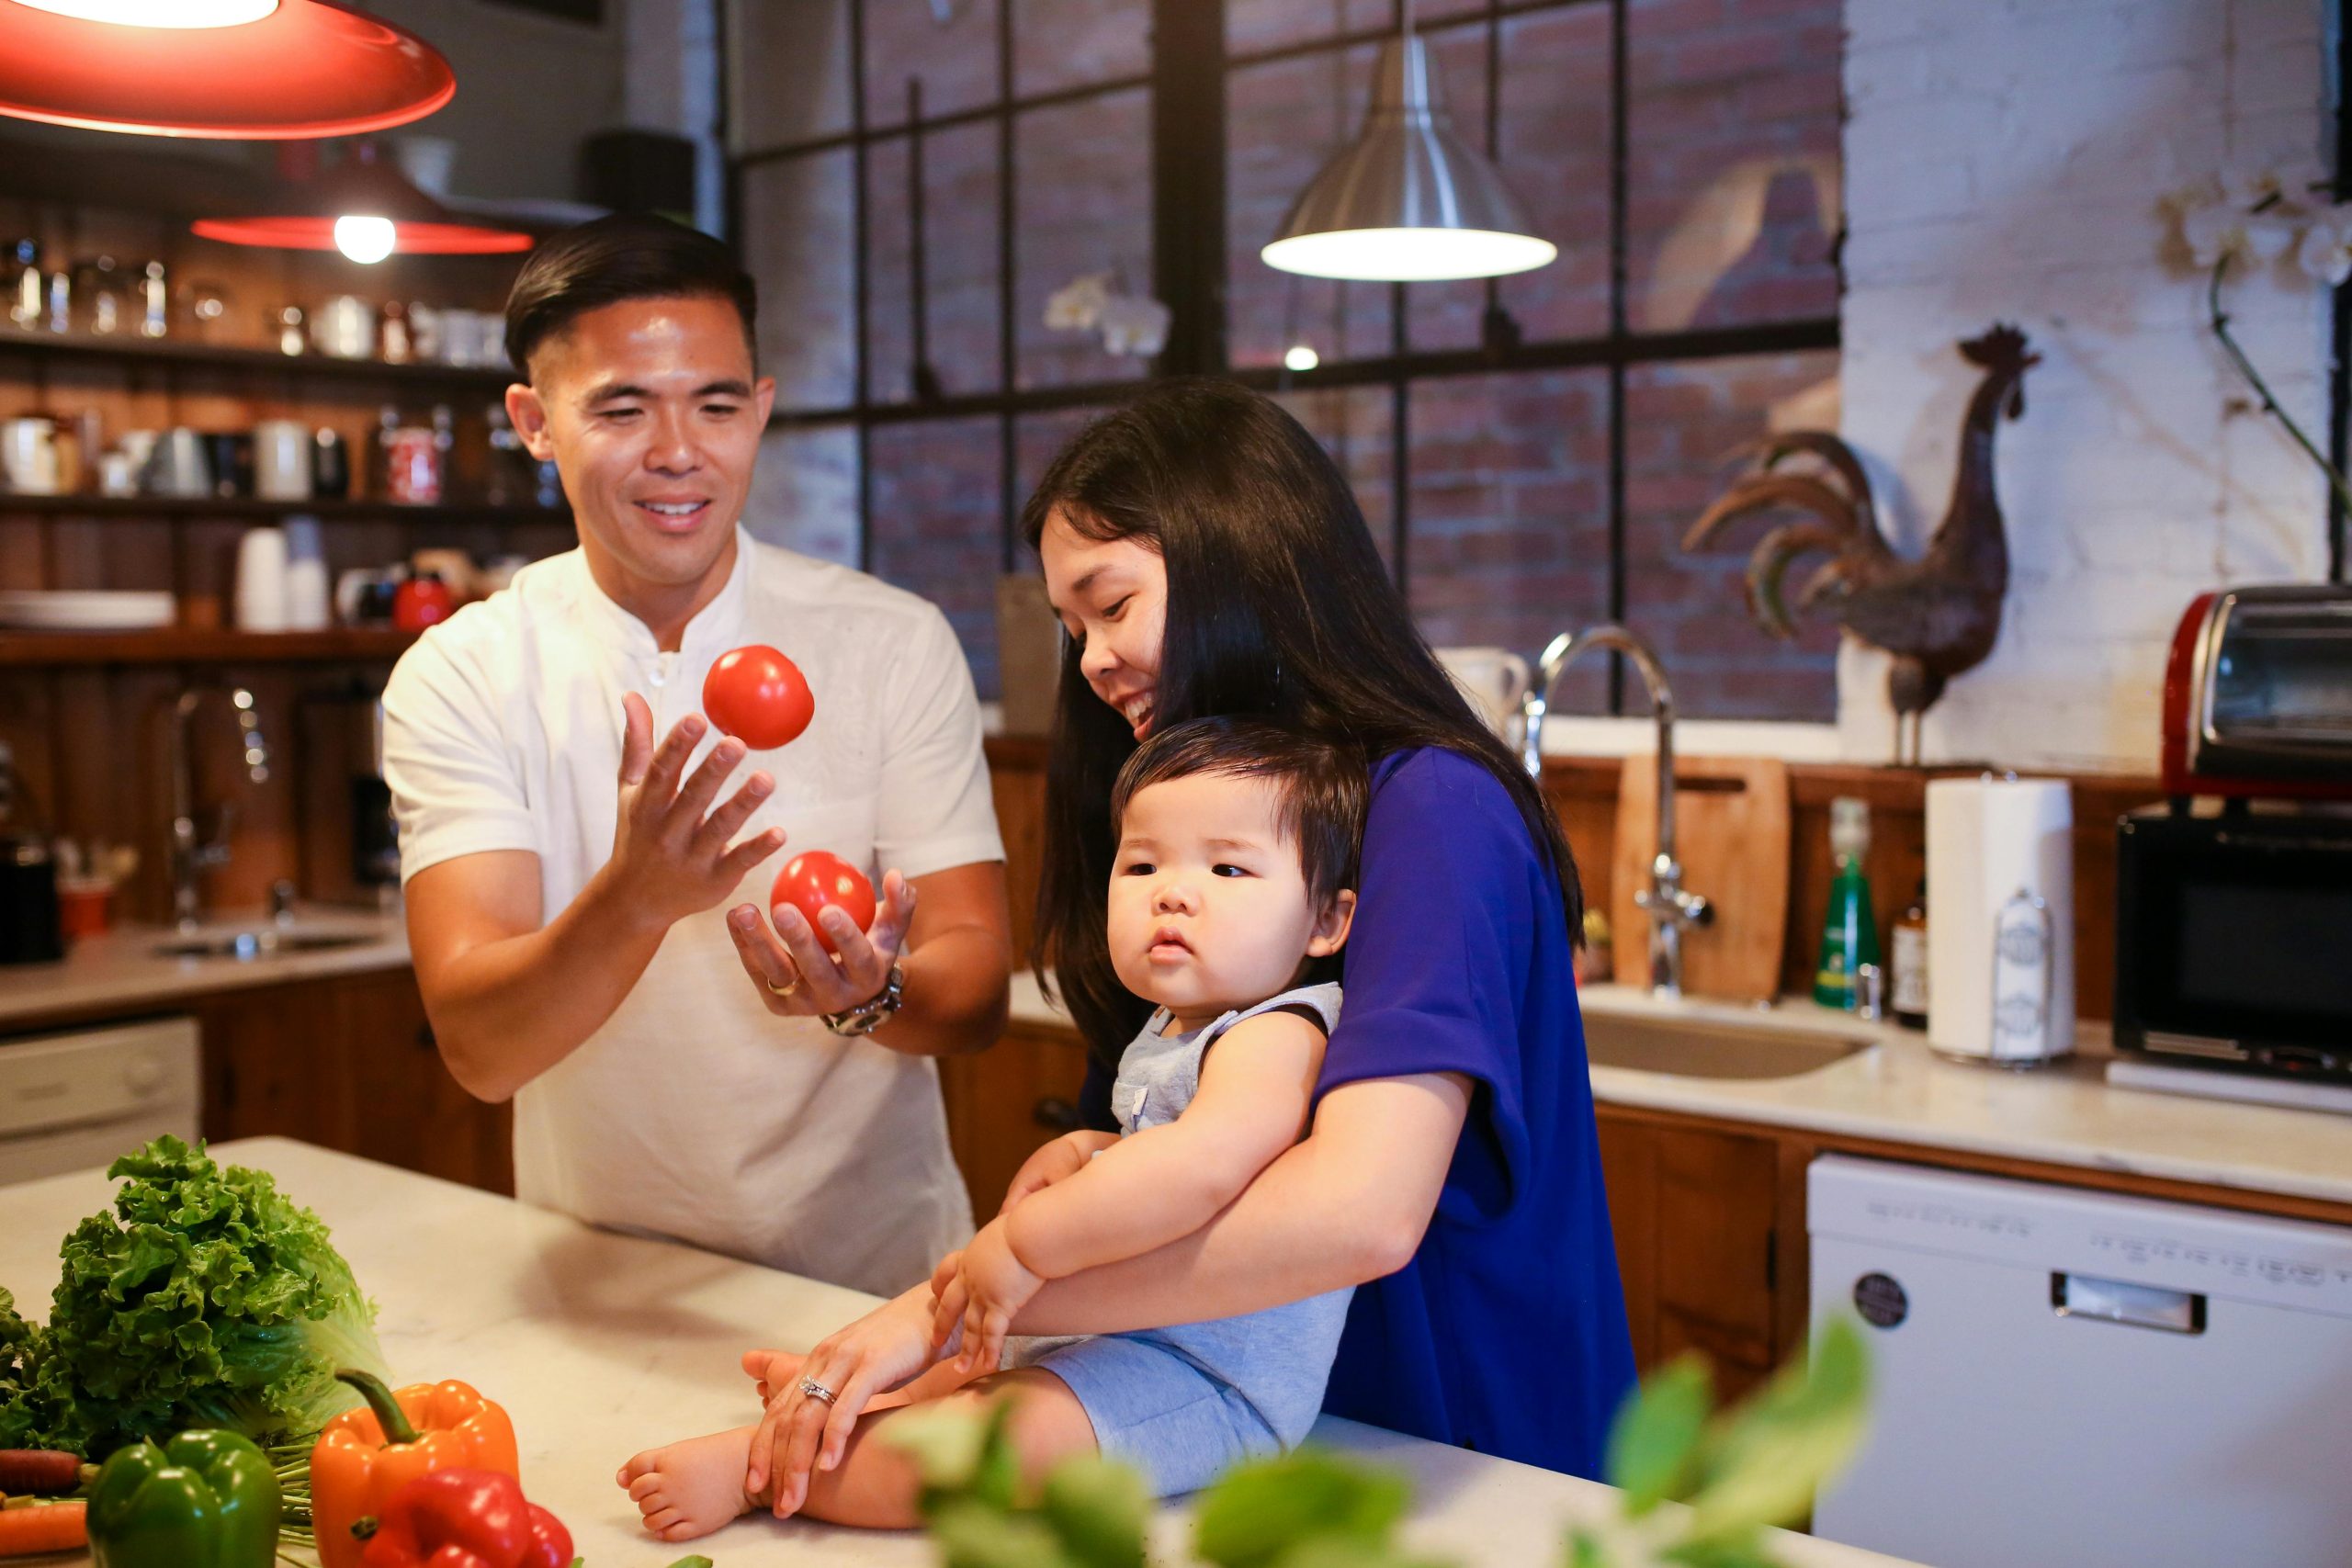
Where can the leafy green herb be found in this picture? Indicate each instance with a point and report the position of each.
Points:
(204, 1299)
(1656, 1438)
(1260, 1513)
(1740, 1473)
(1763, 1464)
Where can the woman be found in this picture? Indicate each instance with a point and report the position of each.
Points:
(1206, 558)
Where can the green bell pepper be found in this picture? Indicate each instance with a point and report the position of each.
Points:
(205, 1499)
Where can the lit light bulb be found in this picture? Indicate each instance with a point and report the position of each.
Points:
(1301, 357)
(186, 14)
(1408, 255)
(364, 239)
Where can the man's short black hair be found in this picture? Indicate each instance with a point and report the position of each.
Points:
(629, 255)
(1324, 790)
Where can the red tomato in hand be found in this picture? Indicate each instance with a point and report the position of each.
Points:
(758, 696)
(811, 882)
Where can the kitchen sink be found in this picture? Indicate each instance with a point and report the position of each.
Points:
(257, 944)
(1712, 1048)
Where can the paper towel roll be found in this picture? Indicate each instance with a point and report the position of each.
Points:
(2000, 851)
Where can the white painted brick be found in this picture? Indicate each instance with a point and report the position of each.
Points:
(2006, 161)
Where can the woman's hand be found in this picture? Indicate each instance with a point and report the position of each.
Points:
(887, 1346)
(798, 978)
(990, 1286)
(1064, 1156)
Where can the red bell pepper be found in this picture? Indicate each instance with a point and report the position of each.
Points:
(465, 1518)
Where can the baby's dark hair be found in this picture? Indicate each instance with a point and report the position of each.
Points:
(1325, 790)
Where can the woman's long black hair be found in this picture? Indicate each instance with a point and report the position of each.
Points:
(1278, 607)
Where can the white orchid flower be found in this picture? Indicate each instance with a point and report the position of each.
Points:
(1077, 305)
(2215, 233)
(2269, 235)
(1134, 326)
(2250, 185)
(2195, 196)
(2325, 254)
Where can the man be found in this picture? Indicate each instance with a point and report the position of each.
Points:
(765, 1099)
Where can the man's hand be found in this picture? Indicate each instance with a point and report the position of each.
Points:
(798, 978)
(990, 1286)
(1063, 1157)
(671, 857)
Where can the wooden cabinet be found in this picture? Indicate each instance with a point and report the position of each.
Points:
(348, 1063)
(408, 1111)
(1003, 1104)
(1699, 1218)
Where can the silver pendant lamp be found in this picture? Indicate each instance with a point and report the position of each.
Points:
(1409, 201)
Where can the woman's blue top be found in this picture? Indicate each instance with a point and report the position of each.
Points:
(1506, 1334)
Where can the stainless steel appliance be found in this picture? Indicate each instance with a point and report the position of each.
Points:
(2233, 898)
(2258, 696)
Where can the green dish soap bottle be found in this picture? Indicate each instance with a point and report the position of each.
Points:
(1849, 934)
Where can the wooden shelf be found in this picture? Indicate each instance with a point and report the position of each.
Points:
(356, 645)
(181, 354)
(148, 508)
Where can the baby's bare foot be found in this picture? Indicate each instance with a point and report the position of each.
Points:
(775, 1371)
(691, 1488)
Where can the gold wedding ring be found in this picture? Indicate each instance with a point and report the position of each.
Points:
(774, 989)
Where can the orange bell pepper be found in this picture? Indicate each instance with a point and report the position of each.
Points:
(365, 1455)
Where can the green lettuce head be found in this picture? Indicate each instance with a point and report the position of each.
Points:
(205, 1299)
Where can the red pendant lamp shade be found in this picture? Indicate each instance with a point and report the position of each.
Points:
(362, 185)
(306, 69)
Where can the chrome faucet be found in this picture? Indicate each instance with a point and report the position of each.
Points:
(1670, 906)
(190, 854)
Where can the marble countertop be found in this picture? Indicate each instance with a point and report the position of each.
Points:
(122, 970)
(600, 1344)
(1899, 1091)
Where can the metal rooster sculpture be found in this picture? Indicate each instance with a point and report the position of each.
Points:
(1939, 615)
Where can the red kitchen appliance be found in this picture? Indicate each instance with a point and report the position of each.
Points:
(2258, 696)
(2234, 900)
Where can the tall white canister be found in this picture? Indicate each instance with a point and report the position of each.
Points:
(2000, 919)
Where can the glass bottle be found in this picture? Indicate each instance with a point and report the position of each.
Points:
(99, 284)
(502, 473)
(380, 452)
(27, 285)
(393, 342)
(1909, 941)
(154, 297)
(1849, 933)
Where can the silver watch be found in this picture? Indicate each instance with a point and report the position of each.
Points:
(869, 1016)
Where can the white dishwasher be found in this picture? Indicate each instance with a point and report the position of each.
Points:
(2072, 1380)
(71, 1101)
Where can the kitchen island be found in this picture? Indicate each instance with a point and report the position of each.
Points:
(601, 1344)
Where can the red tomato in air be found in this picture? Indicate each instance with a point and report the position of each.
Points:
(758, 696)
(811, 882)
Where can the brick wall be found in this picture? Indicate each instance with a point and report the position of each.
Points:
(1733, 199)
(2005, 160)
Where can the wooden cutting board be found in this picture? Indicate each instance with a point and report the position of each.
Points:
(1732, 836)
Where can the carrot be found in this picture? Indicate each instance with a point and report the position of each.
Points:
(44, 1527)
(38, 1469)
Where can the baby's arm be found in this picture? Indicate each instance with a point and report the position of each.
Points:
(1167, 1182)
(1144, 1191)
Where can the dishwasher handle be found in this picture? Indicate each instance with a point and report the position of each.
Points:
(2135, 1306)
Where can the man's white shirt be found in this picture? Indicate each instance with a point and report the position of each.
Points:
(694, 1112)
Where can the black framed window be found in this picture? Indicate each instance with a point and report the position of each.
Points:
(1527, 451)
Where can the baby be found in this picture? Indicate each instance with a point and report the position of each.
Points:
(1237, 842)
